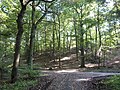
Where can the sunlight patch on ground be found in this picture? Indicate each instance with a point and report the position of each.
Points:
(68, 71)
(117, 61)
(65, 58)
(91, 65)
(83, 79)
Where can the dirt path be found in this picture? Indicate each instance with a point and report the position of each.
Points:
(75, 80)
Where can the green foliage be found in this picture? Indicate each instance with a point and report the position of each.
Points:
(26, 72)
(27, 79)
(66, 10)
(19, 85)
(113, 83)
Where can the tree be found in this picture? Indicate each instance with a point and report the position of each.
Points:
(33, 29)
(67, 24)
(18, 40)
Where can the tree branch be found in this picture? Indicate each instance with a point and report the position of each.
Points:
(21, 1)
(40, 19)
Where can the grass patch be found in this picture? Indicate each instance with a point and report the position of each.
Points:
(26, 78)
(113, 83)
(19, 85)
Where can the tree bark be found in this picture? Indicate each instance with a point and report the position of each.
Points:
(76, 39)
(32, 36)
(59, 43)
(33, 30)
(82, 40)
(98, 27)
(53, 39)
(17, 45)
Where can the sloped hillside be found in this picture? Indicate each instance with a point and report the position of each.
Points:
(69, 61)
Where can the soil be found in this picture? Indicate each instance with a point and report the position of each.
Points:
(72, 80)
(111, 61)
(71, 77)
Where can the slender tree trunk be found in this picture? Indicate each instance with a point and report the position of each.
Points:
(82, 51)
(100, 41)
(37, 41)
(96, 32)
(110, 42)
(116, 34)
(45, 38)
(82, 40)
(32, 37)
(76, 39)
(33, 29)
(86, 44)
(91, 46)
(64, 49)
(17, 44)
(59, 42)
(81, 33)
(70, 40)
(27, 40)
(53, 38)
(67, 43)
(57, 38)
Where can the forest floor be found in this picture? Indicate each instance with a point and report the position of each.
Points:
(72, 80)
(71, 77)
(111, 62)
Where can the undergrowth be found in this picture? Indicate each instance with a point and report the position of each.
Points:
(26, 79)
(19, 85)
(113, 83)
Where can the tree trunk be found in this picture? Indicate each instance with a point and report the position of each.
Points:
(96, 32)
(86, 45)
(100, 41)
(53, 39)
(76, 39)
(70, 40)
(64, 48)
(91, 46)
(27, 40)
(59, 43)
(45, 38)
(67, 43)
(17, 44)
(33, 29)
(82, 41)
(32, 38)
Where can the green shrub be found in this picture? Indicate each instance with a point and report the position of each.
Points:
(25, 71)
(19, 85)
(26, 79)
(113, 83)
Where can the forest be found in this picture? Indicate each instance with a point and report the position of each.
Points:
(46, 43)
